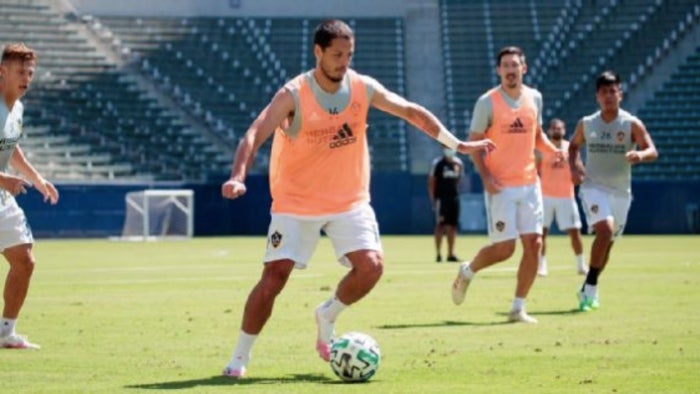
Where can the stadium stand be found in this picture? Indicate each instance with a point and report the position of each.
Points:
(568, 43)
(167, 98)
(103, 125)
(227, 69)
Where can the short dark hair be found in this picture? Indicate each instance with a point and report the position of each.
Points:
(607, 78)
(510, 50)
(331, 29)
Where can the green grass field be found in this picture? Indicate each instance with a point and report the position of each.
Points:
(164, 317)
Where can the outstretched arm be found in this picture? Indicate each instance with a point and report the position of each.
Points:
(424, 120)
(281, 106)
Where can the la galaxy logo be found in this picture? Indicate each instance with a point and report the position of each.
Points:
(500, 226)
(275, 239)
(594, 208)
(620, 135)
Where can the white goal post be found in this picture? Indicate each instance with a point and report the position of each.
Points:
(158, 214)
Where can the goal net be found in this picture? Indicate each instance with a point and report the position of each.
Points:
(156, 214)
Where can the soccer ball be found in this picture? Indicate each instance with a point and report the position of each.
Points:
(355, 357)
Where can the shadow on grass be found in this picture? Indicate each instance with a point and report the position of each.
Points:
(220, 380)
(446, 323)
(573, 311)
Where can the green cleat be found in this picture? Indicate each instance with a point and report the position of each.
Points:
(586, 304)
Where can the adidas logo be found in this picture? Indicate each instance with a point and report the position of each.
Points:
(342, 137)
(517, 127)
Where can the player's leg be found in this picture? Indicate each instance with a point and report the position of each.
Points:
(355, 237)
(599, 216)
(549, 210)
(451, 224)
(21, 260)
(501, 219)
(529, 224)
(542, 269)
(569, 219)
(577, 247)
(291, 242)
(439, 229)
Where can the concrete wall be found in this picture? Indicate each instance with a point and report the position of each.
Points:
(400, 201)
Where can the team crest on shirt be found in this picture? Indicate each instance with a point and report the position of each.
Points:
(275, 239)
(594, 208)
(620, 135)
(500, 226)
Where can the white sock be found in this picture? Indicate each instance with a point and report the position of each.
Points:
(7, 326)
(518, 304)
(241, 354)
(467, 272)
(590, 291)
(580, 260)
(332, 308)
(543, 260)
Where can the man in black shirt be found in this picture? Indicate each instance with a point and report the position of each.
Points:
(443, 180)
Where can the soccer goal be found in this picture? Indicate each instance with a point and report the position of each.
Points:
(159, 214)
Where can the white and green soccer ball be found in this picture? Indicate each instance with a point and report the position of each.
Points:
(355, 357)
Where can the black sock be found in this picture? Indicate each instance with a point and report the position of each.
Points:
(592, 277)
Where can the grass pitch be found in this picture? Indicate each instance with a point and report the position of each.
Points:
(162, 317)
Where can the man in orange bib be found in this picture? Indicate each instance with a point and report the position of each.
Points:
(510, 115)
(319, 180)
(558, 198)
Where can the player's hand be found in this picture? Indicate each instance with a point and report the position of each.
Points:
(232, 189)
(578, 173)
(633, 157)
(468, 147)
(48, 190)
(14, 184)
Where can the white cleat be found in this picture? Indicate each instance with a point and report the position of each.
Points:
(542, 269)
(520, 316)
(14, 341)
(324, 334)
(460, 285)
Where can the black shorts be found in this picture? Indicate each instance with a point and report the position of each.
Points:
(447, 211)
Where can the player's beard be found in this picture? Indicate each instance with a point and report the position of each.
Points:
(332, 78)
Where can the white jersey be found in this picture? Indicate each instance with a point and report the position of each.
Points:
(606, 145)
(11, 122)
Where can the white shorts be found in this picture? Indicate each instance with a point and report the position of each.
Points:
(599, 205)
(14, 229)
(514, 211)
(295, 237)
(564, 209)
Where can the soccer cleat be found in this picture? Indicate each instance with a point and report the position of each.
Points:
(520, 316)
(586, 303)
(438, 259)
(324, 334)
(14, 341)
(452, 259)
(460, 285)
(234, 372)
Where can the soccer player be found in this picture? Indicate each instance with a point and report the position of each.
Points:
(319, 180)
(615, 140)
(510, 115)
(16, 73)
(558, 198)
(443, 181)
